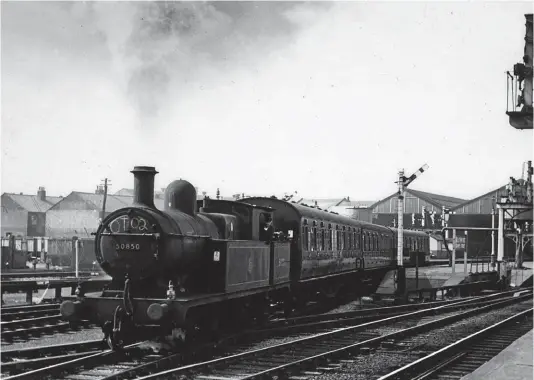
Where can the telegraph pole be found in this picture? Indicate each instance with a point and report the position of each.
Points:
(105, 198)
(403, 182)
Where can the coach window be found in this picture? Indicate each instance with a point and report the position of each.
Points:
(305, 236)
(314, 238)
(358, 237)
(330, 237)
(321, 240)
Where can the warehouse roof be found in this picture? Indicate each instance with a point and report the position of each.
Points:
(434, 199)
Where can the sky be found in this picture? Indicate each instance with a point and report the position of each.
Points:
(327, 99)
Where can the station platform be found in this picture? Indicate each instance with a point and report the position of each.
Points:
(513, 363)
(439, 276)
(522, 277)
(434, 277)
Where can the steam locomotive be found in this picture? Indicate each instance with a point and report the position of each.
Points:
(197, 265)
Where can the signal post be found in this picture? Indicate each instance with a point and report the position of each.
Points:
(403, 182)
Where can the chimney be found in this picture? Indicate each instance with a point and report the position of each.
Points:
(41, 193)
(144, 185)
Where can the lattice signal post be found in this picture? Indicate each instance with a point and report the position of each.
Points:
(403, 182)
(515, 216)
(519, 85)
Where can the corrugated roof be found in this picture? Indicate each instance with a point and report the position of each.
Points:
(33, 203)
(434, 199)
(437, 199)
(495, 193)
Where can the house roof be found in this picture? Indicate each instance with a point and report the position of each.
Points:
(130, 192)
(32, 203)
(95, 201)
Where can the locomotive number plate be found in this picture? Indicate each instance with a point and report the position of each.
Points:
(128, 247)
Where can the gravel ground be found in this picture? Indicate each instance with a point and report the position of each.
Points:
(351, 306)
(366, 367)
(59, 338)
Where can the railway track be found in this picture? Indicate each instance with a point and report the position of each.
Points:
(34, 320)
(467, 353)
(31, 275)
(313, 355)
(137, 360)
(13, 313)
(20, 360)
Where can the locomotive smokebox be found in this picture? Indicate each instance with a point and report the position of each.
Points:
(144, 185)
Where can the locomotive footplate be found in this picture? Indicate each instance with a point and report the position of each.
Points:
(146, 311)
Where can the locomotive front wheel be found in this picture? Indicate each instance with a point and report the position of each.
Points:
(114, 341)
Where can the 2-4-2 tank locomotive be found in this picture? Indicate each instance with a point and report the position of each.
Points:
(193, 266)
(181, 269)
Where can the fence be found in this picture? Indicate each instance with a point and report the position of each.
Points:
(16, 251)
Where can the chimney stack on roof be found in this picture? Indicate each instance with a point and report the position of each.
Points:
(41, 193)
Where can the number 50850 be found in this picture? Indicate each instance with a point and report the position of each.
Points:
(128, 246)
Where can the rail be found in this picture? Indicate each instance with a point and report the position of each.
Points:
(290, 358)
(451, 352)
(43, 274)
(465, 289)
(29, 287)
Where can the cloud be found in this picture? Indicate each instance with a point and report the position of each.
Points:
(160, 46)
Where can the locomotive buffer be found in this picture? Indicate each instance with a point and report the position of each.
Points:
(403, 182)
